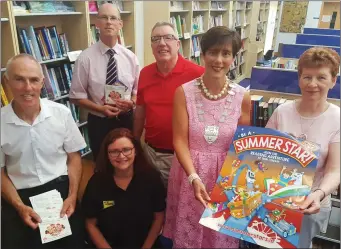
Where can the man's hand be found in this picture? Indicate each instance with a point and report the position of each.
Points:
(110, 111)
(124, 105)
(69, 207)
(28, 215)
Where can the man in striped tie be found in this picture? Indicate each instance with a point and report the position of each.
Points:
(105, 79)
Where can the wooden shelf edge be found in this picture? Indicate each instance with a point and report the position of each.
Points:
(121, 12)
(4, 19)
(47, 14)
(86, 153)
(53, 60)
(3, 69)
(82, 124)
(200, 10)
(61, 97)
(179, 11)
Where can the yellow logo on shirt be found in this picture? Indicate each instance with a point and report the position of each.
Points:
(107, 204)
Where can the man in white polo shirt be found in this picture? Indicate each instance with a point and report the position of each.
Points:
(40, 145)
(106, 63)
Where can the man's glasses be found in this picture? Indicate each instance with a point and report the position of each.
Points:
(124, 151)
(166, 38)
(109, 18)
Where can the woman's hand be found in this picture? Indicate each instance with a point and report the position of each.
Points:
(200, 192)
(312, 205)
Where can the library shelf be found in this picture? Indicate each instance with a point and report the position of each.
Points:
(61, 97)
(86, 153)
(4, 19)
(179, 11)
(53, 60)
(48, 14)
(200, 10)
(82, 123)
(123, 12)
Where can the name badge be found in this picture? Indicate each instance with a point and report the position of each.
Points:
(107, 204)
(115, 92)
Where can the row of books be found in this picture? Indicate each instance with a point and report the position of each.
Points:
(179, 24)
(57, 80)
(4, 99)
(195, 49)
(196, 5)
(73, 108)
(42, 6)
(85, 134)
(176, 5)
(43, 43)
(95, 35)
(94, 5)
(262, 110)
(216, 21)
(198, 24)
(217, 5)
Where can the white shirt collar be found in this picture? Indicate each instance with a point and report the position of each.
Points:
(104, 48)
(11, 116)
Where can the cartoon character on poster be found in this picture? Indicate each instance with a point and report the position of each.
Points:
(265, 177)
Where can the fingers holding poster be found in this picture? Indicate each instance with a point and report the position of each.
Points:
(265, 177)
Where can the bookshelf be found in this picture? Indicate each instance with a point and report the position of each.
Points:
(75, 24)
(277, 24)
(128, 18)
(194, 18)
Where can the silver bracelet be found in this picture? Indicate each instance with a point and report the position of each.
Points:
(193, 177)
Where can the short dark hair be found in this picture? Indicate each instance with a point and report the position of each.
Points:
(103, 164)
(220, 35)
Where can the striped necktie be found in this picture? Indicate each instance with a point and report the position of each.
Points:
(111, 68)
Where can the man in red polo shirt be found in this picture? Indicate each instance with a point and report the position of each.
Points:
(156, 87)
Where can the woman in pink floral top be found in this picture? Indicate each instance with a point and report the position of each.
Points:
(206, 113)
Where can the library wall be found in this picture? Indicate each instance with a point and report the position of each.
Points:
(311, 21)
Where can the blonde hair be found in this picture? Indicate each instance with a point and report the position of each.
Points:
(320, 57)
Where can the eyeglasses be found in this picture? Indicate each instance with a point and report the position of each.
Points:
(109, 18)
(124, 151)
(166, 38)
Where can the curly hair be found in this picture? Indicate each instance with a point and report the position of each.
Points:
(320, 57)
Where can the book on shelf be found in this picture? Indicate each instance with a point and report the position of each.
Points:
(57, 81)
(217, 5)
(176, 5)
(43, 43)
(179, 24)
(118, 4)
(4, 99)
(85, 134)
(196, 5)
(198, 24)
(262, 110)
(215, 21)
(42, 6)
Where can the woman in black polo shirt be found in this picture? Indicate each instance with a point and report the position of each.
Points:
(124, 200)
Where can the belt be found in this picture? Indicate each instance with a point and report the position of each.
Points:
(62, 178)
(166, 151)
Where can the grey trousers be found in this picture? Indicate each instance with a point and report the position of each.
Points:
(311, 226)
(161, 161)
